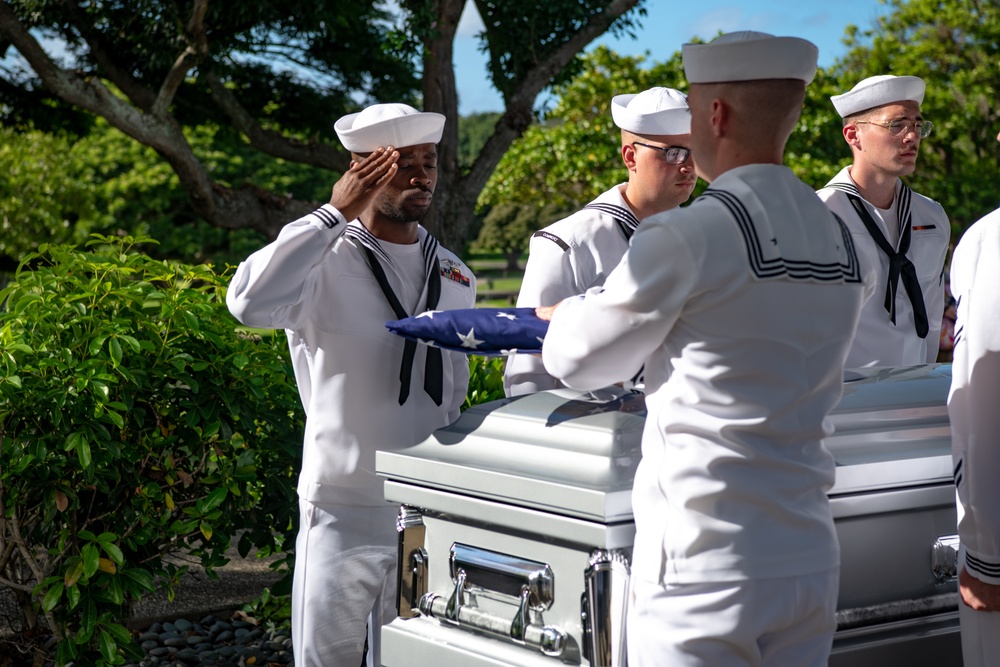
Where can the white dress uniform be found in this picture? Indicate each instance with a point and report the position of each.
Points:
(879, 341)
(565, 259)
(742, 306)
(315, 282)
(975, 424)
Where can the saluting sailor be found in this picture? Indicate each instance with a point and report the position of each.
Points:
(901, 233)
(742, 307)
(332, 279)
(577, 253)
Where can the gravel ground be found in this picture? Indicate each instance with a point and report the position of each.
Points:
(200, 626)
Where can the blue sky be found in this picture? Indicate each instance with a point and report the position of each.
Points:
(670, 23)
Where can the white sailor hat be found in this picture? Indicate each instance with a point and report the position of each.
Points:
(878, 90)
(749, 56)
(388, 125)
(653, 111)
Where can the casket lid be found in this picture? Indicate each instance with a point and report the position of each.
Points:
(575, 453)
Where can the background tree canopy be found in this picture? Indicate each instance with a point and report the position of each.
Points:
(234, 105)
(272, 77)
(573, 155)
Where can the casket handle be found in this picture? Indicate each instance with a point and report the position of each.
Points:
(411, 561)
(526, 584)
(944, 558)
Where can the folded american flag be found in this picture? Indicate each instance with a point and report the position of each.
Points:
(486, 331)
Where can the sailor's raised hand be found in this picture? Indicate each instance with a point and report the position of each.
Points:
(359, 185)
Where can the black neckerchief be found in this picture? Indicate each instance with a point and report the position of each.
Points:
(362, 239)
(900, 265)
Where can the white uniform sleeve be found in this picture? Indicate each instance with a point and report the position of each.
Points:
(270, 289)
(934, 300)
(605, 336)
(972, 403)
(549, 277)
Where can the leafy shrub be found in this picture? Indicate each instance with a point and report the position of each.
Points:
(135, 423)
(485, 380)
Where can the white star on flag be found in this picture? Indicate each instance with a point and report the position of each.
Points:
(429, 313)
(540, 340)
(469, 340)
(509, 316)
(428, 343)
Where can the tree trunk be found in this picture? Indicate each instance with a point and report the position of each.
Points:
(456, 195)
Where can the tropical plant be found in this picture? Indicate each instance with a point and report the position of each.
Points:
(136, 423)
(485, 380)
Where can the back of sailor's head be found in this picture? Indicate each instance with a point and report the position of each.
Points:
(749, 56)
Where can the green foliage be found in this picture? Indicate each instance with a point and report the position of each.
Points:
(473, 132)
(257, 44)
(135, 422)
(560, 165)
(576, 154)
(507, 228)
(59, 189)
(274, 611)
(485, 380)
(816, 151)
(41, 197)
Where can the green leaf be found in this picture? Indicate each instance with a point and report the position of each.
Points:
(113, 552)
(52, 596)
(83, 453)
(118, 420)
(132, 342)
(74, 572)
(192, 321)
(14, 380)
(115, 348)
(206, 530)
(115, 590)
(119, 632)
(214, 499)
(91, 559)
(109, 648)
(96, 344)
(142, 579)
(241, 360)
(73, 596)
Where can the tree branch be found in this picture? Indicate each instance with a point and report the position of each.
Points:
(218, 205)
(518, 114)
(140, 95)
(195, 52)
(271, 142)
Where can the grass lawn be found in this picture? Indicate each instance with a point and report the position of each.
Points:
(496, 286)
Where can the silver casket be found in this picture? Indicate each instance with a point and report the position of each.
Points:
(516, 528)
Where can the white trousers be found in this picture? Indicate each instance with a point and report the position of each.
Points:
(980, 631)
(763, 622)
(344, 580)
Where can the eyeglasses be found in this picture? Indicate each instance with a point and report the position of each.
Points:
(671, 154)
(900, 126)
